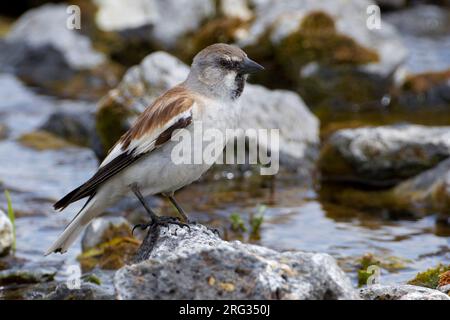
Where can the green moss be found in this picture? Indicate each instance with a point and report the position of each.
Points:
(111, 121)
(317, 40)
(430, 277)
(110, 255)
(390, 263)
(43, 140)
(92, 278)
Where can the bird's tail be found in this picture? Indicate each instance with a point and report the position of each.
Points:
(70, 234)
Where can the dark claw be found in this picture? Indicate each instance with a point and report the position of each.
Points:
(141, 226)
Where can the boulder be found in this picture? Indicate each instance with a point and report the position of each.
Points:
(385, 155)
(262, 108)
(401, 292)
(196, 264)
(156, 17)
(104, 229)
(428, 191)
(43, 51)
(6, 234)
(324, 49)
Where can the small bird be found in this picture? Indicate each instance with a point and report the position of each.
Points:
(140, 162)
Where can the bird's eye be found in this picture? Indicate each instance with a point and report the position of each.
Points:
(227, 63)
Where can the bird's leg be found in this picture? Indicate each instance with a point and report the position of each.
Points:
(156, 220)
(179, 208)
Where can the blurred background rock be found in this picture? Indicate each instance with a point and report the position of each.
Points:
(364, 117)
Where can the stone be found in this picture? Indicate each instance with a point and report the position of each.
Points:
(383, 155)
(104, 229)
(44, 52)
(6, 234)
(428, 191)
(283, 17)
(401, 292)
(45, 27)
(196, 264)
(262, 108)
(157, 15)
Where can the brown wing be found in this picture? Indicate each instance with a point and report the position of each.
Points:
(152, 129)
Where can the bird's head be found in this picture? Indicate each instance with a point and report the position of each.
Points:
(221, 70)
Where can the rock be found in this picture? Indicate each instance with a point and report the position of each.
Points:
(262, 108)
(284, 17)
(27, 275)
(107, 244)
(428, 191)
(324, 49)
(401, 292)
(104, 229)
(44, 52)
(75, 126)
(155, 16)
(46, 26)
(392, 4)
(43, 140)
(190, 264)
(385, 155)
(6, 234)
(236, 9)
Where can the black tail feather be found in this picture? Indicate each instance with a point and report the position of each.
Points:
(66, 200)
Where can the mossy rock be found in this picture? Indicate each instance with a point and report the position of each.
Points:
(110, 255)
(390, 263)
(317, 40)
(421, 83)
(431, 278)
(43, 140)
(111, 120)
(220, 30)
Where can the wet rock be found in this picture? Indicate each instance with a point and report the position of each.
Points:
(44, 52)
(27, 275)
(86, 291)
(392, 4)
(432, 278)
(156, 17)
(401, 292)
(6, 234)
(105, 229)
(425, 89)
(383, 156)
(107, 244)
(77, 127)
(262, 108)
(190, 264)
(323, 50)
(42, 140)
(428, 191)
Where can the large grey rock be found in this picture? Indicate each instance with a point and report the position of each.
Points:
(196, 264)
(46, 26)
(103, 229)
(282, 17)
(401, 292)
(262, 108)
(6, 234)
(168, 19)
(384, 155)
(427, 191)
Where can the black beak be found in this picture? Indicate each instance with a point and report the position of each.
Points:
(250, 66)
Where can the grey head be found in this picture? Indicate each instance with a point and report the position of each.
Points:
(220, 71)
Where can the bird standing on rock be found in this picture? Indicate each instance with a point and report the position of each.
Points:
(140, 162)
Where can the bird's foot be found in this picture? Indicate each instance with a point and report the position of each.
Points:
(213, 230)
(161, 221)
